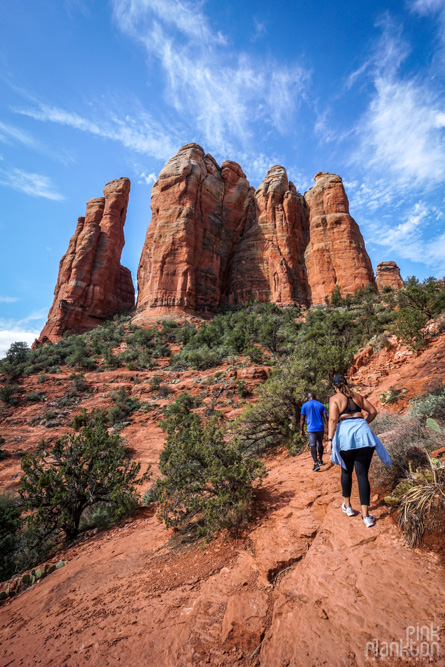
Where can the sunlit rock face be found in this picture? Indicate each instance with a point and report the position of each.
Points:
(213, 240)
(388, 275)
(336, 253)
(92, 285)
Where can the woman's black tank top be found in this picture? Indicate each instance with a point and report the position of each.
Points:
(350, 408)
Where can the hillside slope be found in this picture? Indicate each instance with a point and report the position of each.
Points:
(307, 586)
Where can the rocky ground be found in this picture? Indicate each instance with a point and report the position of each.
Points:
(304, 585)
(307, 585)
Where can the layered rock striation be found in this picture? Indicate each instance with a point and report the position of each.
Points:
(214, 241)
(92, 285)
(388, 275)
(199, 213)
(336, 253)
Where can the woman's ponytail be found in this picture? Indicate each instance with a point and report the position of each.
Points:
(344, 389)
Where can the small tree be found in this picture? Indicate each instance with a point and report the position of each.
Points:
(10, 524)
(81, 470)
(336, 297)
(204, 476)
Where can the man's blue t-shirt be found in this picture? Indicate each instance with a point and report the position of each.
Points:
(314, 411)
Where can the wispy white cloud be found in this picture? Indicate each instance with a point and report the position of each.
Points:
(25, 329)
(10, 336)
(10, 134)
(186, 17)
(147, 178)
(226, 92)
(259, 29)
(8, 299)
(36, 185)
(139, 133)
(402, 133)
(407, 240)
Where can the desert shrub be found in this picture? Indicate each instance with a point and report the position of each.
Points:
(422, 507)
(274, 419)
(385, 421)
(111, 360)
(36, 397)
(7, 393)
(105, 514)
(151, 495)
(417, 303)
(155, 383)
(80, 355)
(200, 359)
(78, 384)
(10, 525)
(430, 405)
(242, 389)
(182, 406)
(204, 478)
(336, 297)
(124, 406)
(164, 391)
(42, 378)
(407, 445)
(392, 395)
(15, 360)
(255, 354)
(78, 472)
(161, 350)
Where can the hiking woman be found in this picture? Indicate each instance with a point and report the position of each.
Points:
(353, 443)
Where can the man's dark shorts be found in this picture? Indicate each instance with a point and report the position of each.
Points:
(316, 438)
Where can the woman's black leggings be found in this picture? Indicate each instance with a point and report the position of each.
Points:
(360, 459)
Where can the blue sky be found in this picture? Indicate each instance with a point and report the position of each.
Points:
(91, 90)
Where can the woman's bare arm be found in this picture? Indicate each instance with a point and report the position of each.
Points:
(333, 417)
(370, 409)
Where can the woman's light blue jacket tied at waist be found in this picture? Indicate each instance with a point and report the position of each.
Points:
(355, 433)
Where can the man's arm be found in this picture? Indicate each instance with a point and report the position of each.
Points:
(302, 418)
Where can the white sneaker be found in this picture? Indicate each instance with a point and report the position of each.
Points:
(369, 520)
(348, 510)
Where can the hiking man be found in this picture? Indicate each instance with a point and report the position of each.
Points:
(315, 414)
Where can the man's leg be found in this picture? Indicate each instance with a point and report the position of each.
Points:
(313, 444)
(320, 435)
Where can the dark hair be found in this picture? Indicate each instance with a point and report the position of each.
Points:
(341, 384)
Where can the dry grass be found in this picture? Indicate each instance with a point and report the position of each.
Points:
(408, 442)
(422, 507)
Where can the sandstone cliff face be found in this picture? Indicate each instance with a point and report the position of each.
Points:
(336, 253)
(388, 275)
(213, 241)
(92, 285)
(268, 264)
(199, 212)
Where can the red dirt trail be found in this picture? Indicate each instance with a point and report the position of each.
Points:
(306, 586)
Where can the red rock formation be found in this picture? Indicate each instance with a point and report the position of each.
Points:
(199, 211)
(213, 241)
(336, 253)
(388, 275)
(268, 264)
(92, 285)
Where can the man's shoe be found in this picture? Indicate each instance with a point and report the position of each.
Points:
(316, 467)
(369, 521)
(348, 510)
(320, 463)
